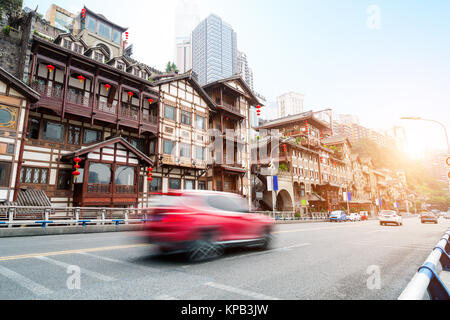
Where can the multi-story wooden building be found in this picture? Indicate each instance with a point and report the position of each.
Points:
(102, 111)
(15, 99)
(181, 150)
(230, 171)
(299, 158)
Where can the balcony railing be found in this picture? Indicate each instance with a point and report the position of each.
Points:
(45, 91)
(98, 188)
(130, 112)
(123, 189)
(54, 97)
(105, 107)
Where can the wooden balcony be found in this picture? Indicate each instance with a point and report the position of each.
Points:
(81, 105)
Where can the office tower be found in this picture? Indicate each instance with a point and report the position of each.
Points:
(244, 70)
(214, 50)
(290, 103)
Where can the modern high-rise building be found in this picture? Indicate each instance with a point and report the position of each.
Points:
(290, 103)
(186, 19)
(214, 50)
(184, 56)
(244, 70)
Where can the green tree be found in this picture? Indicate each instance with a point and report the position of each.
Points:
(11, 8)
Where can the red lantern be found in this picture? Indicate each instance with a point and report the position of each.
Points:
(284, 148)
(107, 87)
(81, 78)
(50, 68)
(149, 179)
(321, 134)
(150, 101)
(126, 35)
(306, 127)
(130, 94)
(227, 118)
(76, 173)
(83, 13)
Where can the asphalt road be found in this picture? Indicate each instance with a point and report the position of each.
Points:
(308, 261)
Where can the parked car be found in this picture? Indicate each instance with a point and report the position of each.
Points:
(203, 223)
(390, 217)
(338, 216)
(364, 215)
(428, 216)
(354, 217)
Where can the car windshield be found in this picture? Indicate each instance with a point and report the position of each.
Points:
(229, 203)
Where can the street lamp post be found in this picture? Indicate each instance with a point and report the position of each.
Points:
(434, 121)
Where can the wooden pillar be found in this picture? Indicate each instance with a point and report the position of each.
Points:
(94, 96)
(66, 85)
(141, 93)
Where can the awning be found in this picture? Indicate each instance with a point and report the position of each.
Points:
(118, 139)
(233, 169)
(315, 197)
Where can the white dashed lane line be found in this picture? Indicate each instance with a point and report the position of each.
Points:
(24, 282)
(92, 274)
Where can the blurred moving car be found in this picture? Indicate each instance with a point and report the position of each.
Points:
(338, 216)
(203, 223)
(354, 217)
(390, 217)
(428, 216)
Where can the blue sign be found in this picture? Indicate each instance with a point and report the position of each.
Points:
(275, 183)
(349, 196)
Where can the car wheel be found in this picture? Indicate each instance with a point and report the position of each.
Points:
(204, 249)
(267, 240)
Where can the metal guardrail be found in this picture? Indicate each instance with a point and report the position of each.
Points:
(427, 279)
(27, 216)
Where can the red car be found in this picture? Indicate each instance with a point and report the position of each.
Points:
(203, 223)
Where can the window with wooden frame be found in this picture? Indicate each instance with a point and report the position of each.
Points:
(155, 184)
(53, 131)
(34, 175)
(99, 57)
(8, 117)
(91, 136)
(186, 117)
(73, 134)
(5, 171)
(64, 179)
(169, 113)
(34, 126)
(67, 44)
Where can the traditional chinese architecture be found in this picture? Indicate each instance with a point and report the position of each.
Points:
(230, 169)
(15, 99)
(103, 112)
(181, 157)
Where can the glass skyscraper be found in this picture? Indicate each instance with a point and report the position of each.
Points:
(214, 50)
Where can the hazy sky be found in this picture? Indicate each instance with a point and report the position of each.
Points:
(337, 53)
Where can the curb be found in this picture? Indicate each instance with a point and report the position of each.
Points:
(51, 231)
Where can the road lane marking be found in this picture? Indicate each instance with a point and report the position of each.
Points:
(24, 282)
(316, 229)
(92, 274)
(66, 252)
(165, 297)
(242, 292)
(251, 254)
(394, 247)
(126, 263)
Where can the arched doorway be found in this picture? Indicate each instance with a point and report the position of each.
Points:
(284, 201)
